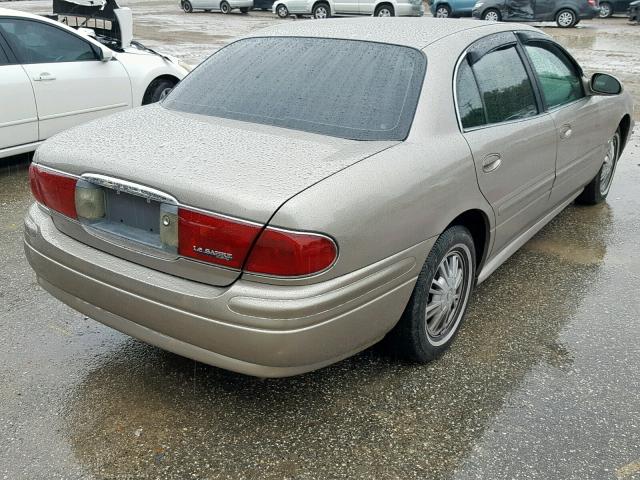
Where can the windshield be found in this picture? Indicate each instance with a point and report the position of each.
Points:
(343, 88)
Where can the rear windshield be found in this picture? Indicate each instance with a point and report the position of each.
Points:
(343, 88)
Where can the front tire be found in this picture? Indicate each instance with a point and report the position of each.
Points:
(321, 10)
(282, 11)
(606, 10)
(439, 300)
(491, 15)
(598, 189)
(442, 11)
(384, 11)
(225, 7)
(157, 90)
(187, 7)
(566, 18)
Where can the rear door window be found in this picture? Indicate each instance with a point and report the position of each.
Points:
(504, 85)
(557, 76)
(468, 96)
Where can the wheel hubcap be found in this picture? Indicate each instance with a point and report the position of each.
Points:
(447, 295)
(282, 12)
(608, 166)
(565, 19)
(321, 13)
(491, 16)
(442, 13)
(384, 13)
(604, 10)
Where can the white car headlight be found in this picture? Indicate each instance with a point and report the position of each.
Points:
(478, 5)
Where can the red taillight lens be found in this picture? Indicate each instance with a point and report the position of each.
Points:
(54, 190)
(593, 3)
(214, 239)
(288, 254)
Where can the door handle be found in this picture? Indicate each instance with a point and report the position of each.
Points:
(566, 131)
(44, 77)
(491, 162)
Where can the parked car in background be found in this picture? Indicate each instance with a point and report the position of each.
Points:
(566, 13)
(634, 11)
(264, 5)
(260, 247)
(52, 77)
(609, 7)
(328, 8)
(224, 6)
(452, 8)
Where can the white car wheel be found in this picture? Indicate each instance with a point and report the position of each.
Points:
(282, 11)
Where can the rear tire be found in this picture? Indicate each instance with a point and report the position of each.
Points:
(225, 7)
(566, 18)
(282, 11)
(606, 10)
(598, 189)
(439, 300)
(321, 10)
(442, 11)
(384, 11)
(187, 7)
(491, 15)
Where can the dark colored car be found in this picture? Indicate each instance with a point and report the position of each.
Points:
(609, 7)
(265, 5)
(566, 13)
(634, 11)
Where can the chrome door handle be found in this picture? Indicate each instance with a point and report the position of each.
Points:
(566, 131)
(44, 77)
(491, 162)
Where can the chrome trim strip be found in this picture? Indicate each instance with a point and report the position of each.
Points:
(85, 110)
(131, 188)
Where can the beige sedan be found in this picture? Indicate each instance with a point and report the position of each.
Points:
(318, 186)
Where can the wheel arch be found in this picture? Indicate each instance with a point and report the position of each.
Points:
(477, 222)
(566, 7)
(625, 127)
(383, 3)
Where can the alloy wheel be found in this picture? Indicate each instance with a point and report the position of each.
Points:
(605, 10)
(384, 12)
(609, 165)
(442, 12)
(565, 19)
(448, 294)
(491, 16)
(321, 12)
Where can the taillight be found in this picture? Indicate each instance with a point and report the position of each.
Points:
(593, 3)
(228, 242)
(291, 254)
(54, 190)
(214, 239)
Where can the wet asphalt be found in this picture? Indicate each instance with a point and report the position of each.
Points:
(543, 380)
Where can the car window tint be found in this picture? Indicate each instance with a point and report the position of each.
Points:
(37, 42)
(505, 86)
(558, 80)
(3, 57)
(468, 97)
(344, 88)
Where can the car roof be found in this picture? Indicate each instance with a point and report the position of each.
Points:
(416, 32)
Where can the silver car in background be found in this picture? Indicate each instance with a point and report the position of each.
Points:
(326, 8)
(224, 6)
(262, 220)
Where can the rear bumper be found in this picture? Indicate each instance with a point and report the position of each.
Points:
(251, 328)
(589, 13)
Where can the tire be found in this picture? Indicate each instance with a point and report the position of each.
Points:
(598, 189)
(321, 10)
(384, 11)
(156, 90)
(225, 7)
(187, 7)
(244, 9)
(606, 10)
(442, 11)
(566, 18)
(282, 11)
(417, 335)
(491, 15)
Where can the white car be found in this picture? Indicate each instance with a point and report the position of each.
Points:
(224, 6)
(327, 8)
(53, 77)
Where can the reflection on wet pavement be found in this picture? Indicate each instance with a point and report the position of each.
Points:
(542, 381)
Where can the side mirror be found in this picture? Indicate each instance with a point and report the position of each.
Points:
(105, 54)
(604, 84)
